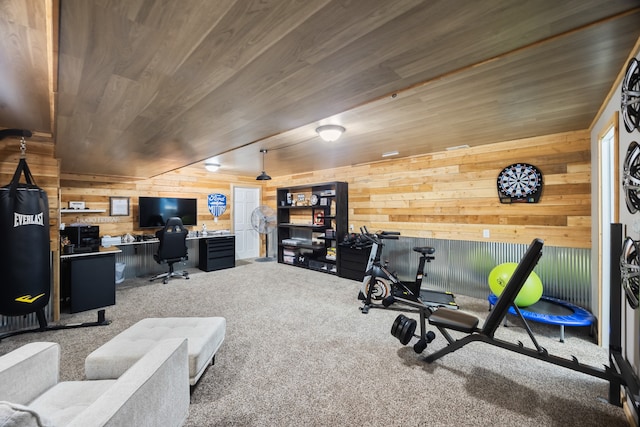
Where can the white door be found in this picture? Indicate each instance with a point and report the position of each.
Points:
(245, 200)
(608, 173)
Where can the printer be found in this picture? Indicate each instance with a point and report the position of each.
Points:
(84, 238)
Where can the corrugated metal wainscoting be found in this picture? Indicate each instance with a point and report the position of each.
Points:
(139, 262)
(462, 267)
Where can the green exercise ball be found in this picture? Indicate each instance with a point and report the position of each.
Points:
(531, 290)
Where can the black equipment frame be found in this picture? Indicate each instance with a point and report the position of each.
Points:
(619, 373)
(43, 326)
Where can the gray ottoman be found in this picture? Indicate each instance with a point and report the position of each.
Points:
(204, 336)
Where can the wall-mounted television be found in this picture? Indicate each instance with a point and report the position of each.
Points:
(155, 211)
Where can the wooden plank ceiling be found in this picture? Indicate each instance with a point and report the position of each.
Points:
(135, 88)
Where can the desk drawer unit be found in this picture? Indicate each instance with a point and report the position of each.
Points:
(87, 282)
(217, 253)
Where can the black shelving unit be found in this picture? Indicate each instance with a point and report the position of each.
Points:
(312, 219)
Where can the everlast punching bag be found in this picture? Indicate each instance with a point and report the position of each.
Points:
(24, 245)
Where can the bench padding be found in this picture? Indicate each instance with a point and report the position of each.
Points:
(452, 319)
(204, 337)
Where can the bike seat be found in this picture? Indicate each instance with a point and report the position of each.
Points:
(424, 250)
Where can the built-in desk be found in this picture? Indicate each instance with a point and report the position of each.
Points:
(88, 280)
(139, 261)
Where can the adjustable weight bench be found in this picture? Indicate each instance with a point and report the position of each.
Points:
(456, 320)
(467, 323)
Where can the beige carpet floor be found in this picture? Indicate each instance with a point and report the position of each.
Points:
(299, 352)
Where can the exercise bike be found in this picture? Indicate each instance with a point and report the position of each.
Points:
(381, 288)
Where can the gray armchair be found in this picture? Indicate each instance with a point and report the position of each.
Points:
(153, 392)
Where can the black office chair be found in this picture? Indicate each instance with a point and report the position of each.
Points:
(172, 248)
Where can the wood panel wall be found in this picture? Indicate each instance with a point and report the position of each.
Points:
(445, 195)
(453, 194)
(188, 182)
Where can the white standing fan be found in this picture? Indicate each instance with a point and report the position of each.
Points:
(263, 220)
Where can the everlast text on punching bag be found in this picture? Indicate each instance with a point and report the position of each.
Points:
(24, 249)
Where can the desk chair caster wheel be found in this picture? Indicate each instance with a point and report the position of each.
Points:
(421, 345)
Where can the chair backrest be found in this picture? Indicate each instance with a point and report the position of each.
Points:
(173, 240)
(510, 292)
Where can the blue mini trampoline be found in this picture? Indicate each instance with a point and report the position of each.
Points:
(552, 311)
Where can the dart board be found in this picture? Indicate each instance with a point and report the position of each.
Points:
(519, 183)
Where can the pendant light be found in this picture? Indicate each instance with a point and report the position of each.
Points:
(263, 176)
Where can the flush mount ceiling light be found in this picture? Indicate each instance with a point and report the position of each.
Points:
(330, 133)
(458, 147)
(211, 166)
(263, 176)
(390, 153)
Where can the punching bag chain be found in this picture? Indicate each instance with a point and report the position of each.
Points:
(23, 148)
